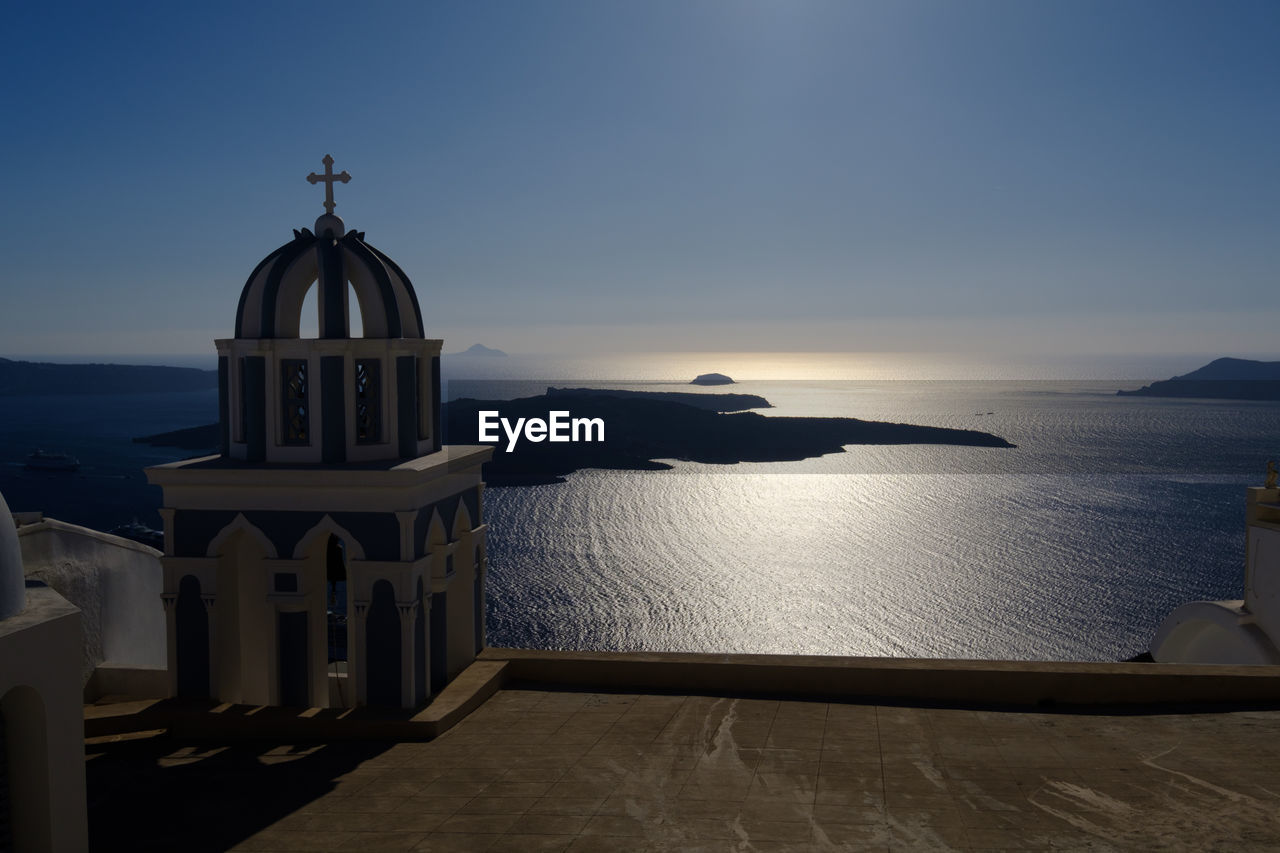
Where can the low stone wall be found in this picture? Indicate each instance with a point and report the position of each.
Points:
(1145, 688)
(898, 679)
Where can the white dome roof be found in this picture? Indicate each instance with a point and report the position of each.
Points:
(13, 581)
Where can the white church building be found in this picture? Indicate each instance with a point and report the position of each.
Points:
(42, 785)
(1244, 630)
(333, 553)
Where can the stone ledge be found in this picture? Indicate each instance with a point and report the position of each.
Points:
(464, 694)
(127, 681)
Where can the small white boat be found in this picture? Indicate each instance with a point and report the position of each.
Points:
(139, 532)
(40, 461)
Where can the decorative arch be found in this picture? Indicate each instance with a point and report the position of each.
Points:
(290, 294)
(255, 315)
(319, 535)
(461, 521)
(372, 289)
(240, 524)
(436, 534)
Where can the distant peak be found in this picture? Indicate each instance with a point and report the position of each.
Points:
(712, 379)
(481, 349)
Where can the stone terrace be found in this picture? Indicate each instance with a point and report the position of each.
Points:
(563, 770)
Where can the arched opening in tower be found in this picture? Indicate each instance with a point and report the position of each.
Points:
(382, 664)
(192, 639)
(354, 313)
(309, 321)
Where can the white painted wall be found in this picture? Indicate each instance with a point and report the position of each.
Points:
(41, 701)
(115, 582)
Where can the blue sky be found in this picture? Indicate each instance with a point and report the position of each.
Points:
(555, 176)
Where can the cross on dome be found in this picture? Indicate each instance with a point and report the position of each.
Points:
(328, 177)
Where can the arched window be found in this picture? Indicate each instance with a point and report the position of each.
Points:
(192, 625)
(295, 393)
(368, 391)
(335, 573)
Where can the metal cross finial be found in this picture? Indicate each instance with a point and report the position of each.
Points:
(328, 177)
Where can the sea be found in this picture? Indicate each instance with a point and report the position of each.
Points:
(1074, 545)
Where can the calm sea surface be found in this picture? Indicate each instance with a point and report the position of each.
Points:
(1109, 513)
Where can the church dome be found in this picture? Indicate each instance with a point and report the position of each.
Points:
(271, 302)
(13, 581)
(335, 398)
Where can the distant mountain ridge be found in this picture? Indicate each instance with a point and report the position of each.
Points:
(31, 378)
(1234, 369)
(1220, 379)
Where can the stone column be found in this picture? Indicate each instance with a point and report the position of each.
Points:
(166, 517)
(407, 613)
(406, 519)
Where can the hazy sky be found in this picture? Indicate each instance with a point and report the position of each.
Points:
(690, 175)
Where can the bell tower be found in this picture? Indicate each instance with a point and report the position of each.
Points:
(336, 398)
(335, 548)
